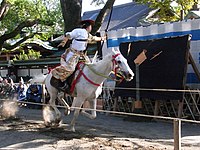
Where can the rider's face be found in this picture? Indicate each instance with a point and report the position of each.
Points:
(89, 28)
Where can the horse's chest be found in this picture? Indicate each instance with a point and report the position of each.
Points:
(88, 90)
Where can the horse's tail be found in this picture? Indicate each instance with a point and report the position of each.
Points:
(38, 79)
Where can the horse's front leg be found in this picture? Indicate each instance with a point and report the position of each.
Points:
(77, 105)
(61, 99)
(93, 104)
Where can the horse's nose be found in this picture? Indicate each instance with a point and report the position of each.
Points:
(130, 76)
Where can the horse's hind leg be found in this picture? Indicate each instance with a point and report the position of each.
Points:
(52, 115)
(93, 110)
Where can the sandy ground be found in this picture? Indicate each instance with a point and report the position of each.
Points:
(106, 132)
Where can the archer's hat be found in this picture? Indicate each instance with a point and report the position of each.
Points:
(87, 22)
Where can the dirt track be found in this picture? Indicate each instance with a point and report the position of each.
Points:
(106, 132)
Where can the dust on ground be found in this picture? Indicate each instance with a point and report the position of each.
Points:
(106, 132)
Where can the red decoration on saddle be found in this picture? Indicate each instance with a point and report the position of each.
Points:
(78, 77)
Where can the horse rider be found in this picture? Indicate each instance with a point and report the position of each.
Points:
(69, 59)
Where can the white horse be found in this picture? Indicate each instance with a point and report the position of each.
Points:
(89, 85)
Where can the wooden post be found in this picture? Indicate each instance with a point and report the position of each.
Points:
(156, 109)
(133, 106)
(180, 108)
(43, 94)
(137, 82)
(139, 60)
(138, 102)
(115, 104)
(177, 134)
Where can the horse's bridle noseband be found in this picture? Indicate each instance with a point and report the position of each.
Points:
(115, 67)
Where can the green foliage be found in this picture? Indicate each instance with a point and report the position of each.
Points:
(167, 11)
(22, 10)
(31, 55)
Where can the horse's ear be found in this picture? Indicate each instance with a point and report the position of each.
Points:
(113, 51)
(116, 50)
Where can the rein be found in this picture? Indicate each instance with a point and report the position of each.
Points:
(98, 73)
(102, 75)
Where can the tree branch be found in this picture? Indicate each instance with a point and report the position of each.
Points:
(10, 47)
(18, 29)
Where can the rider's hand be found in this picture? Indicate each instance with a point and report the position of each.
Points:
(103, 38)
(62, 44)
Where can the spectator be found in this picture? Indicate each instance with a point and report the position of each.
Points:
(7, 88)
(21, 90)
(34, 94)
(13, 77)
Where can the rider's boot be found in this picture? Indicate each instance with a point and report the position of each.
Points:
(64, 87)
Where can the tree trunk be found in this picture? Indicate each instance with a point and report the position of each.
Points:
(71, 11)
(102, 14)
(4, 7)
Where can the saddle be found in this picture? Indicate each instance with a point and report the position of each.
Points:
(67, 85)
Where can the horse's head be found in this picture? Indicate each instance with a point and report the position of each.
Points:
(121, 65)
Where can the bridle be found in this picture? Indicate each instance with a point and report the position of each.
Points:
(115, 68)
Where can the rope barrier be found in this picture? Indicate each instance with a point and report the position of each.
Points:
(112, 112)
(176, 121)
(161, 90)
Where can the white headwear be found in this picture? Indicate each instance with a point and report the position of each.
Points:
(22, 80)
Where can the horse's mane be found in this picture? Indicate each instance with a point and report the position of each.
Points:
(106, 58)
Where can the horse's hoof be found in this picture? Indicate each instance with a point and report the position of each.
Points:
(72, 129)
(47, 124)
(58, 123)
(55, 125)
(67, 112)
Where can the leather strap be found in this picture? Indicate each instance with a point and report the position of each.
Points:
(83, 40)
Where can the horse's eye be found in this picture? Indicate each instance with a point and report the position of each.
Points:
(119, 62)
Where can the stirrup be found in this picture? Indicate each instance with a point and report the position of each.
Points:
(63, 88)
